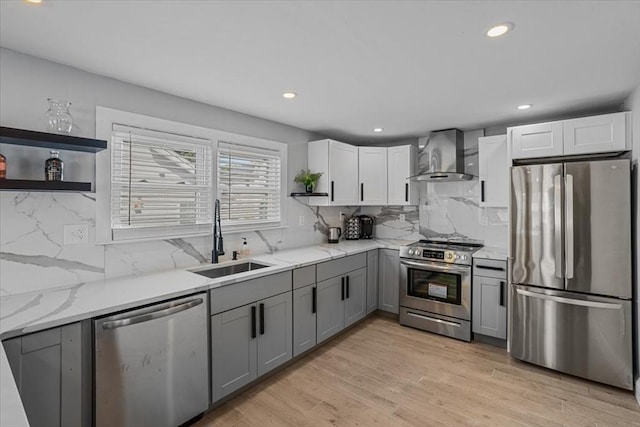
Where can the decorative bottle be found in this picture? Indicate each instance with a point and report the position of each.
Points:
(54, 167)
(3, 167)
(59, 119)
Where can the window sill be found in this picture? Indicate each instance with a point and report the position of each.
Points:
(233, 229)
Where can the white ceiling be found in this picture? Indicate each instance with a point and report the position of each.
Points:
(409, 67)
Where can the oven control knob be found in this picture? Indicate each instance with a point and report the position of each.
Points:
(457, 256)
(449, 255)
(464, 257)
(410, 251)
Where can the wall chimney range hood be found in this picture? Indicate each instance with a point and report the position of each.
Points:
(441, 157)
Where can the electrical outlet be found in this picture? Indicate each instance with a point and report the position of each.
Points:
(76, 234)
(402, 217)
(484, 220)
(301, 220)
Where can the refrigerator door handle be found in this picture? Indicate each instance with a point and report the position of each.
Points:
(569, 225)
(557, 225)
(578, 302)
(570, 301)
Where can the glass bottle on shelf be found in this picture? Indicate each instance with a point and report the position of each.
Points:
(3, 167)
(59, 119)
(54, 167)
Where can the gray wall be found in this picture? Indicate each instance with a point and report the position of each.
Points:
(633, 104)
(31, 231)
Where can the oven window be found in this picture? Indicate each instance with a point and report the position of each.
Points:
(445, 287)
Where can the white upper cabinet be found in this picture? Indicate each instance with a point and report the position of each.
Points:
(494, 171)
(539, 140)
(372, 170)
(598, 134)
(338, 163)
(402, 164)
(586, 135)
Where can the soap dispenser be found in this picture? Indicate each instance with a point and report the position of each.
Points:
(245, 252)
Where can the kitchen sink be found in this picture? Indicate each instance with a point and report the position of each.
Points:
(227, 270)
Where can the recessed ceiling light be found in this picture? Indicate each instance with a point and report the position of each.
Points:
(500, 29)
(33, 1)
(524, 106)
(378, 130)
(289, 95)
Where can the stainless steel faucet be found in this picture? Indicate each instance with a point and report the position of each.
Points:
(218, 248)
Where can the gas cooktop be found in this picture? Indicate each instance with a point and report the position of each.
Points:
(452, 251)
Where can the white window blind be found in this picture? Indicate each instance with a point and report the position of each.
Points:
(249, 185)
(160, 184)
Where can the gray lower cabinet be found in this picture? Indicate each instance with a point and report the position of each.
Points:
(389, 280)
(330, 315)
(249, 341)
(355, 301)
(233, 350)
(489, 298)
(275, 335)
(304, 319)
(372, 281)
(52, 370)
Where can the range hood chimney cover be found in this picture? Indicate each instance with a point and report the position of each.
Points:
(441, 157)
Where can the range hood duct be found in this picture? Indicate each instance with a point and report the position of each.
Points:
(441, 157)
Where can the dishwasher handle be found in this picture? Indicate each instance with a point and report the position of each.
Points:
(113, 324)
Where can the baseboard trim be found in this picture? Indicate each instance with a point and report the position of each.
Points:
(638, 391)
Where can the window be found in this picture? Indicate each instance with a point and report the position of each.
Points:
(159, 179)
(249, 185)
(160, 183)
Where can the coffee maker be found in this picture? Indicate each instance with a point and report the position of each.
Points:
(366, 226)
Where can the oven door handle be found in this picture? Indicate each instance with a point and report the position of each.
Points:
(445, 268)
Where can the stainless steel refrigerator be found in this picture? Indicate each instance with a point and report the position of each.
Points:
(571, 286)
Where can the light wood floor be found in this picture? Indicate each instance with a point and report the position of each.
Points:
(384, 374)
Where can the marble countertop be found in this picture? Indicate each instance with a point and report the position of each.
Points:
(39, 310)
(489, 252)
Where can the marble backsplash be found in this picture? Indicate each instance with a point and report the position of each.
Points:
(33, 255)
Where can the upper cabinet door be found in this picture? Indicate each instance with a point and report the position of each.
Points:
(402, 164)
(343, 174)
(597, 134)
(494, 171)
(338, 163)
(539, 140)
(372, 170)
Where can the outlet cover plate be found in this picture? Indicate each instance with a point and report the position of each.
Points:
(76, 234)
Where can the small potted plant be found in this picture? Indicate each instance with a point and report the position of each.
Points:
(308, 179)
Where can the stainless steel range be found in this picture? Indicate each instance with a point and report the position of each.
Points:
(435, 287)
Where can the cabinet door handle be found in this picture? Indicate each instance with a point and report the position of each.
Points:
(347, 287)
(490, 267)
(406, 192)
(332, 191)
(314, 300)
(342, 283)
(261, 319)
(482, 191)
(502, 293)
(253, 322)
(362, 192)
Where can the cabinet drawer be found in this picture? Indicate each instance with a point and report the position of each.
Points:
(242, 293)
(490, 268)
(329, 269)
(304, 276)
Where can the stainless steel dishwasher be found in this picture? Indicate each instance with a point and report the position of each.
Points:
(151, 364)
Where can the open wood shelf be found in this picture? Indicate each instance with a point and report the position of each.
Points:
(50, 140)
(30, 185)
